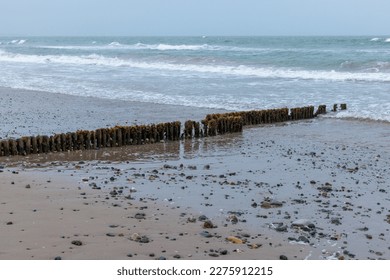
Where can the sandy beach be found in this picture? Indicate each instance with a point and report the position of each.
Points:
(316, 189)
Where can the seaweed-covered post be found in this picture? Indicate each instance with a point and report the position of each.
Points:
(6, 150)
(205, 128)
(93, 140)
(39, 144)
(27, 145)
(105, 136)
(343, 106)
(119, 139)
(75, 144)
(45, 144)
(34, 145)
(87, 140)
(321, 110)
(63, 142)
(212, 124)
(188, 129)
(20, 147)
(196, 129)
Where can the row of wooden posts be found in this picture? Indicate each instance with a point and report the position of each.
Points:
(213, 124)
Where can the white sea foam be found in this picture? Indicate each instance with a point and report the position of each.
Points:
(387, 40)
(375, 39)
(159, 47)
(17, 42)
(115, 44)
(249, 71)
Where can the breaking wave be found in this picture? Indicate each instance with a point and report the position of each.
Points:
(219, 69)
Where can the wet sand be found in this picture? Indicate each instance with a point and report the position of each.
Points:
(28, 113)
(315, 189)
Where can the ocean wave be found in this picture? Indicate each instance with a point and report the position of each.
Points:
(138, 46)
(115, 44)
(17, 42)
(387, 40)
(374, 66)
(187, 47)
(229, 70)
(375, 39)
(368, 116)
(167, 47)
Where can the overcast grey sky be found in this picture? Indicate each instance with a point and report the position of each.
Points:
(194, 17)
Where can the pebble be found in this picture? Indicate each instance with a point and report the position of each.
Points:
(223, 252)
(140, 216)
(270, 203)
(281, 228)
(191, 219)
(215, 255)
(77, 243)
(302, 223)
(233, 219)
(208, 224)
(202, 218)
(206, 234)
(283, 257)
(234, 240)
(303, 239)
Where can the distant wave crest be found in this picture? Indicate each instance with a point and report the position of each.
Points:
(17, 42)
(138, 46)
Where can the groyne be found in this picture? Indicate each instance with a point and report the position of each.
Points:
(211, 125)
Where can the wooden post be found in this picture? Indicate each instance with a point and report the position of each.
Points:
(45, 144)
(27, 145)
(6, 148)
(39, 144)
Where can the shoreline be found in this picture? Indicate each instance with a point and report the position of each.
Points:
(329, 172)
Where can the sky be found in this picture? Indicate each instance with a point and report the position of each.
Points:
(193, 17)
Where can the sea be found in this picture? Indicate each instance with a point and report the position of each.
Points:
(228, 73)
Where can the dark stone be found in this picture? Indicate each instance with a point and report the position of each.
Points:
(208, 224)
(77, 243)
(283, 257)
(202, 218)
(281, 228)
(335, 221)
(113, 193)
(57, 258)
(303, 239)
(144, 239)
(206, 234)
(215, 255)
(140, 216)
